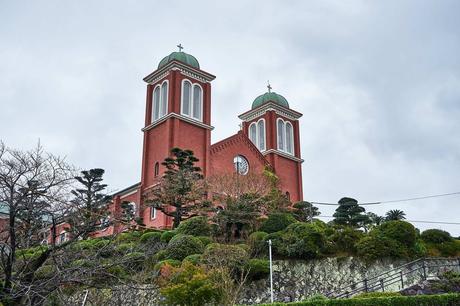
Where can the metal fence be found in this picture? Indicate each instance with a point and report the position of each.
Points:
(402, 276)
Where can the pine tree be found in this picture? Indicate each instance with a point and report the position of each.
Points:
(350, 213)
(181, 193)
(90, 202)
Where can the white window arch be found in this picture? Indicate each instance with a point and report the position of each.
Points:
(160, 101)
(192, 100)
(257, 134)
(285, 135)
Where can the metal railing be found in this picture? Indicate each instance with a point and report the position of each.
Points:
(419, 269)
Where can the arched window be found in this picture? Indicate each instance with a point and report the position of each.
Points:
(153, 213)
(257, 134)
(197, 99)
(289, 138)
(192, 100)
(285, 133)
(160, 101)
(253, 133)
(157, 169)
(164, 99)
(186, 91)
(288, 195)
(281, 134)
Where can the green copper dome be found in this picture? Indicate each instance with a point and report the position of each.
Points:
(270, 96)
(181, 57)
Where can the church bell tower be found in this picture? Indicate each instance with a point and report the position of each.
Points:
(177, 114)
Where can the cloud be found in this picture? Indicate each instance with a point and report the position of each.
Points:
(378, 84)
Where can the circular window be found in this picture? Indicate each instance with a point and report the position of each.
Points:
(241, 165)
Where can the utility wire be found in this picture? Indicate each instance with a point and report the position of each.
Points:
(414, 221)
(393, 201)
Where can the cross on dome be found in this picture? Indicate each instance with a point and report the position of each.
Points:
(269, 86)
(180, 47)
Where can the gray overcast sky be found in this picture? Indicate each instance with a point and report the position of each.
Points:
(378, 83)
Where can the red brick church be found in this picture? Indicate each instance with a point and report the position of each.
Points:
(178, 114)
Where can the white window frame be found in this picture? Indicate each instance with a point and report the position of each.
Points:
(257, 140)
(153, 213)
(284, 133)
(161, 111)
(192, 102)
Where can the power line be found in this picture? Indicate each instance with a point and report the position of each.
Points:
(392, 201)
(413, 221)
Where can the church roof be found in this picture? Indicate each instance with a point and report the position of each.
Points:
(181, 57)
(270, 96)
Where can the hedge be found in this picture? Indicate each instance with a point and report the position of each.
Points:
(416, 300)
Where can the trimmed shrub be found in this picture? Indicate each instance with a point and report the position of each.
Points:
(150, 237)
(376, 294)
(46, 271)
(205, 240)
(345, 238)
(401, 231)
(129, 236)
(449, 248)
(300, 240)
(117, 271)
(435, 236)
(225, 255)
(377, 246)
(258, 268)
(181, 246)
(194, 259)
(125, 247)
(277, 222)
(170, 262)
(166, 236)
(196, 226)
(415, 300)
(161, 255)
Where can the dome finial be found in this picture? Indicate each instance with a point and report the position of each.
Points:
(269, 86)
(180, 47)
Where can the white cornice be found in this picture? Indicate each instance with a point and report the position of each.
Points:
(283, 154)
(186, 70)
(181, 117)
(270, 106)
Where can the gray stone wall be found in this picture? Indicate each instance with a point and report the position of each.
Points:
(293, 281)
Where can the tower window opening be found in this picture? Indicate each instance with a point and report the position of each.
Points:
(257, 134)
(156, 170)
(192, 100)
(160, 101)
(285, 133)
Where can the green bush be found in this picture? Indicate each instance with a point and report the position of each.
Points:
(196, 226)
(117, 271)
(170, 262)
(257, 242)
(376, 246)
(345, 239)
(435, 236)
(376, 294)
(194, 259)
(277, 222)
(125, 247)
(416, 300)
(129, 236)
(150, 237)
(46, 271)
(258, 268)
(205, 240)
(300, 240)
(449, 248)
(181, 246)
(166, 236)
(225, 255)
(401, 231)
(161, 255)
